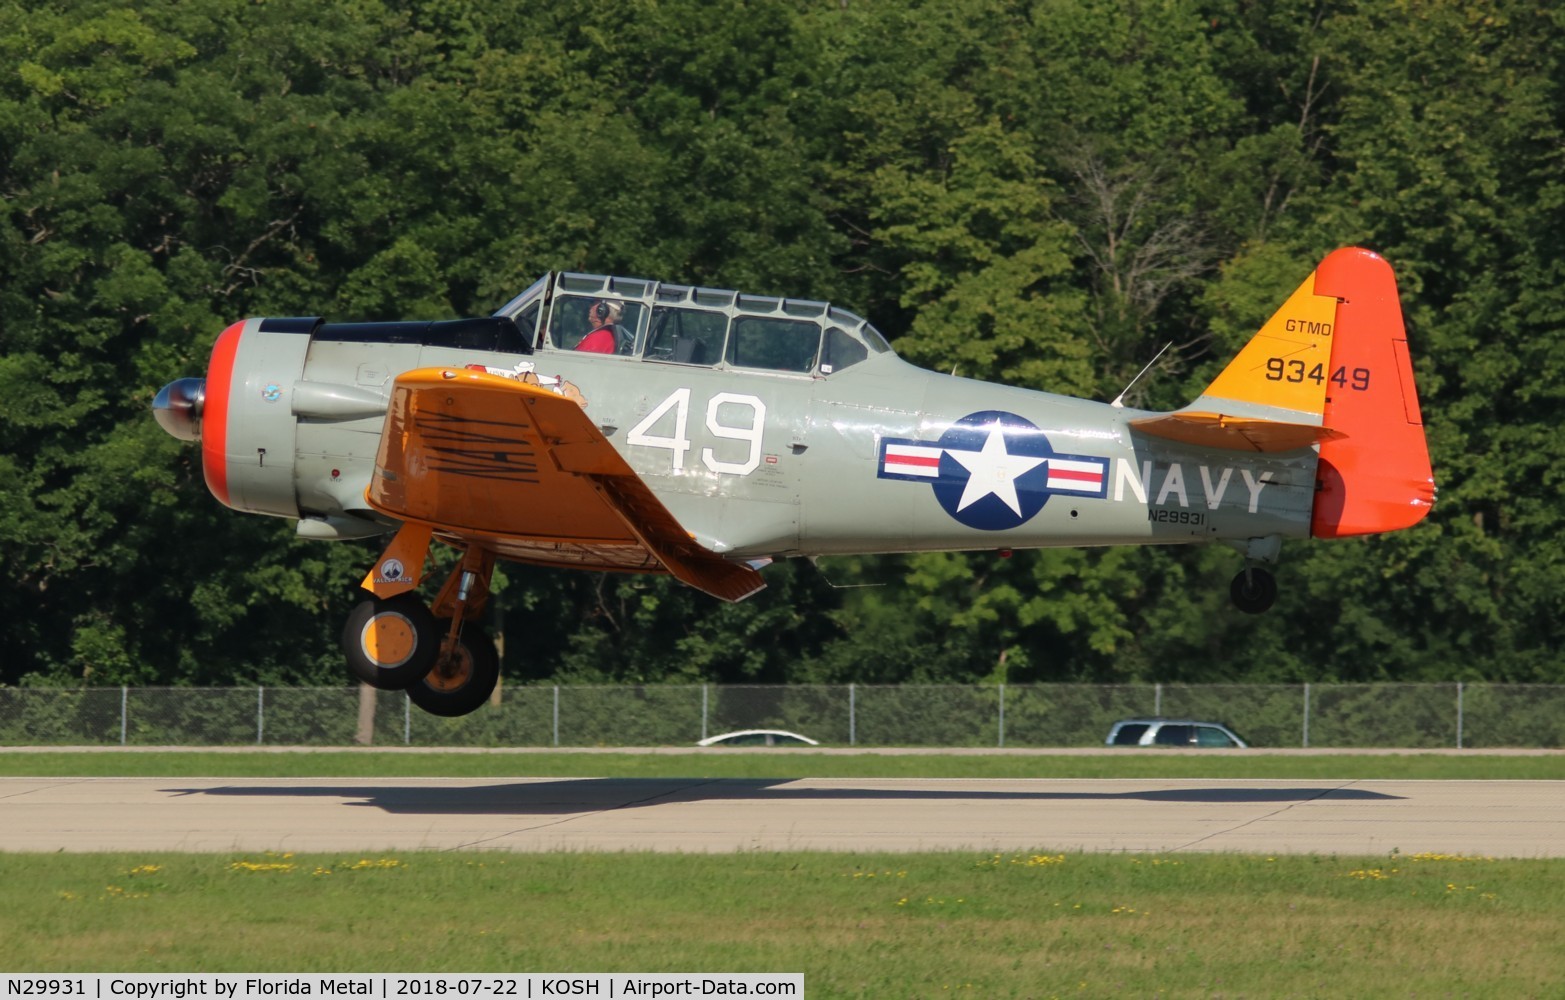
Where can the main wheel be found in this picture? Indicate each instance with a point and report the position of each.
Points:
(461, 686)
(391, 642)
(1253, 590)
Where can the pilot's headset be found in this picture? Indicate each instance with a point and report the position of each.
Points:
(603, 309)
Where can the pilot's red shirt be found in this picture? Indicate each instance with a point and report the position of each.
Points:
(599, 341)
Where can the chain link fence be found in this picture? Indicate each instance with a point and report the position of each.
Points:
(1041, 715)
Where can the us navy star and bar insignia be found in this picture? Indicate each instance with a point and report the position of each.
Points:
(993, 470)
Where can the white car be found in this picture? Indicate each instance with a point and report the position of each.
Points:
(758, 738)
(1172, 733)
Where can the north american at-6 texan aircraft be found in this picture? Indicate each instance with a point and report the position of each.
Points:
(608, 423)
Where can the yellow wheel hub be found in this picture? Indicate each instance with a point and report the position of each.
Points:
(452, 675)
(388, 640)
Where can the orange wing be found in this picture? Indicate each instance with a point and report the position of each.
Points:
(521, 471)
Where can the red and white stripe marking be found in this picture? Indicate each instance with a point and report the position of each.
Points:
(912, 460)
(1077, 477)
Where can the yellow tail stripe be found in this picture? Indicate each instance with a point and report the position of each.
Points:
(1288, 363)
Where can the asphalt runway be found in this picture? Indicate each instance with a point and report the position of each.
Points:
(1522, 819)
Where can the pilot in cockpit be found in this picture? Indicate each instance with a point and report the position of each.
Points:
(605, 315)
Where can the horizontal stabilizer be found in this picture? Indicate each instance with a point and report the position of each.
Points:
(1217, 430)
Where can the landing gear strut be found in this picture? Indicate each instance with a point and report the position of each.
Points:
(467, 668)
(1255, 589)
(444, 661)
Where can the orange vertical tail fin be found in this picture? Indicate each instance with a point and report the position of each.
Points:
(1376, 477)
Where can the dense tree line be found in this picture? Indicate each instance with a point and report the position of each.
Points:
(1039, 193)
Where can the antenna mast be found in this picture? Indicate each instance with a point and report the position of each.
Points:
(1119, 401)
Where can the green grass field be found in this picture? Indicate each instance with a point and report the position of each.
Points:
(922, 925)
(953, 924)
(774, 764)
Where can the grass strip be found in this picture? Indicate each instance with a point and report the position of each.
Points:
(772, 764)
(1011, 925)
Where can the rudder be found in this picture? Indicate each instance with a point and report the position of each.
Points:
(1376, 476)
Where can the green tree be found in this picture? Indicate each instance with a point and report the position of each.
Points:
(1042, 193)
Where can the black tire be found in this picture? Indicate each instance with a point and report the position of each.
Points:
(390, 643)
(468, 685)
(1253, 590)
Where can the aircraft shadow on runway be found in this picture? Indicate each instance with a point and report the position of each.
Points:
(582, 795)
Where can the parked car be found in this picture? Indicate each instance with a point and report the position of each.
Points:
(758, 738)
(1172, 733)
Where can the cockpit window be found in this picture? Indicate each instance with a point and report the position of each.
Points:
(875, 339)
(858, 325)
(780, 345)
(517, 306)
(686, 336)
(684, 324)
(840, 351)
(601, 324)
(527, 321)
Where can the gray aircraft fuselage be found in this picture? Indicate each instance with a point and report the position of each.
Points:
(871, 456)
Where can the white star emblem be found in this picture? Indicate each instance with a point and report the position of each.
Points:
(993, 471)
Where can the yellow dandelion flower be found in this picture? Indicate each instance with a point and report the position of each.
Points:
(261, 866)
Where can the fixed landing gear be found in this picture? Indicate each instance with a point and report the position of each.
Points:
(392, 641)
(461, 682)
(1253, 590)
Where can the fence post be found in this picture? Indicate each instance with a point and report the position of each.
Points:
(364, 731)
(1306, 715)
(556, 715)
(260, 715)
(1459, 719)
(407, 720)
(1002, 715)
(853, 736)
(124, 700)
(703, 711)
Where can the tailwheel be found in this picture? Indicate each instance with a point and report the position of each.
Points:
(391, 642)
(1253, 590)
(460, 682)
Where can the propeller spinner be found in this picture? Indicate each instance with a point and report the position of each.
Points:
(178, 407)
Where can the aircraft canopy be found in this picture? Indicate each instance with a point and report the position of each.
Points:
(687, 325)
